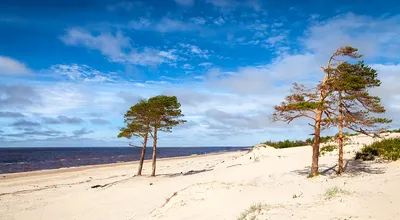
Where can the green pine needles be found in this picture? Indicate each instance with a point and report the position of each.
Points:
(146, 118)
(341, 99)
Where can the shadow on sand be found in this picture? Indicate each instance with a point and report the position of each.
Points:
(351, 167)
(190, 172)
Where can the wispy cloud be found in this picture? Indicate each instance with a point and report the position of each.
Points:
(81, 73)
(99, 121)
(25, 123)
(172, 25)
(8, 114)
(372, 35)
(18, 96)
(9, 66)
(117, 48)
(108, 44)
(196, 51)
(63, 120)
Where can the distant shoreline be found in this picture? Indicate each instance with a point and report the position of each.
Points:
(106, 165)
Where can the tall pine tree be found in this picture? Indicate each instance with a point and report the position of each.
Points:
(137, 120)
(351, 103)
(165, 113)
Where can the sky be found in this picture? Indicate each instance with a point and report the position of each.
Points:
(69, 70)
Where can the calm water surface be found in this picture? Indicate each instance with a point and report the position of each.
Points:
(28, 159)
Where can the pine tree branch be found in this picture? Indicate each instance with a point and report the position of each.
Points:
(300, 115)
(132, 145)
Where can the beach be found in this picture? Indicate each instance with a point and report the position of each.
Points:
(269, 183)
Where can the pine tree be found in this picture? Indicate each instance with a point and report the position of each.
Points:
(351, 102)
(137, 120)
(312, 102)
(165, 113)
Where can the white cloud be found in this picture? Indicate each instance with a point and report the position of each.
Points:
(389, 90)
(118, 48)
(108, 44)
(196, 51)
(296, 67)
(376, 37)
(170, 25)
(9, 66)
(75, 72)
(187, 66)
(219, 21)
(205, 64)
(274, 40)
(198, 20)
(151, 57)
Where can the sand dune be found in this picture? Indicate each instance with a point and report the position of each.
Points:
(220, 186)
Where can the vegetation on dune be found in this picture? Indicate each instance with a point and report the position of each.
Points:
(394, 130)
(327, 148)
(334, 191)
(252, 212)
(286, 144)
(388, 149)
(296, 143)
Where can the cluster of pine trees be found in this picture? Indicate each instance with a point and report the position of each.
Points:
(146, 118)
(341, 100)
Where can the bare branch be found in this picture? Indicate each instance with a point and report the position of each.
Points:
(132, 145)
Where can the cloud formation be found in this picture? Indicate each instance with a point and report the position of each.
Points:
(18, 96)
(25, 123)
(63, 120)
(7, 114)
(117, 47)
(9, 66)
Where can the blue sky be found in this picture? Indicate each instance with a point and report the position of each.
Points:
(69, 70)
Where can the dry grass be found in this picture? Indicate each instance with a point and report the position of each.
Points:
(252, 211)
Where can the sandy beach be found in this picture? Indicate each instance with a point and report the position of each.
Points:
(218, 186)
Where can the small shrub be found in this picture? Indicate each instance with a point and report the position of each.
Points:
(322, 139)
(327, 148)
(252, 211)
(285, 144)
(367, 153)
(295, 196)
(334, 191)
(388, 149)
(394, 130)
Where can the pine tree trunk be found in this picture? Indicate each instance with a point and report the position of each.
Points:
(340, 141)
(139, 172)
(317, 129)
(153, 173)
(315, 147)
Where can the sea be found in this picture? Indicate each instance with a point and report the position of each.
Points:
(13, 160)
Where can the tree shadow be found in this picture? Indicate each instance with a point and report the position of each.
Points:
(190, 172)
(357, 167)
(351, 167)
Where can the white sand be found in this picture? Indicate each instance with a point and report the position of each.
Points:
(226, 185)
